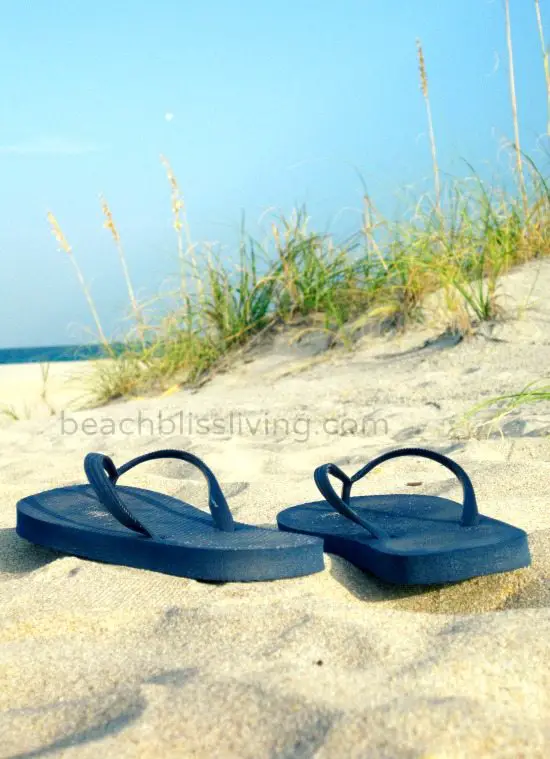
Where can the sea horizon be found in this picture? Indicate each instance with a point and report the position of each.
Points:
(52, 353)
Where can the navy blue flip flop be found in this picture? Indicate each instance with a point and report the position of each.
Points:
(408, 539)
(145, 529)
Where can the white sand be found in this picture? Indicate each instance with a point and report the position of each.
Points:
(101, 660)
(38, 391)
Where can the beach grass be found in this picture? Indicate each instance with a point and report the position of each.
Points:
(498, 409)
(304, 281)
(458, 244)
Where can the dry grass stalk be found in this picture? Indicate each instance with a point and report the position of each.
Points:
(513, 99)
(426, 95)
(180, 223)
(368, 224)
(368, 231)
(284, 257)
(545, 60)
(111, 226)
(45, 374)
(64, 245)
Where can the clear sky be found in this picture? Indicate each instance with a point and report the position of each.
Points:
(255, 104)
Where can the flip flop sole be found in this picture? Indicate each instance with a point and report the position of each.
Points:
(426, 545)
(71, 520)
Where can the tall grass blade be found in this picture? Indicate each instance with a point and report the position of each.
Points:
(514, 104)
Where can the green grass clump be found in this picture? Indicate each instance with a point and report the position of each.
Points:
(300, 278)
(313, 276)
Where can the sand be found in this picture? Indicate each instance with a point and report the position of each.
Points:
(99, 660)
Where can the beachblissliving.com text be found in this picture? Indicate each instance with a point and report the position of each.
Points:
(234, 423)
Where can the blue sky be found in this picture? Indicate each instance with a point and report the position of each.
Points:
(271, 105)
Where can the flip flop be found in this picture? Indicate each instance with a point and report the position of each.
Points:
(142, 528)
(408, 539)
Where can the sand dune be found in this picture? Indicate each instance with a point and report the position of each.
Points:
(101, 660)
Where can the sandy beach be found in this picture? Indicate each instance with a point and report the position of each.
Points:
(100, 660)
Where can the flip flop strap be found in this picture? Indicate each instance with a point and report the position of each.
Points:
(102, 475)
(470, 514)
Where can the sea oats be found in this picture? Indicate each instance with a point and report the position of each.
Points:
(62, 240)
(111, 226)
(425, 93)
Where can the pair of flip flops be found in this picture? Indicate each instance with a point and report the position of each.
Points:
(405, 539)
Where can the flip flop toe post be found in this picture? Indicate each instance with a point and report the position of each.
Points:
(146, 529)
(408, 539)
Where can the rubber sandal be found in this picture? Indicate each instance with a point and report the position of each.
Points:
(142, 528)
(408, 539)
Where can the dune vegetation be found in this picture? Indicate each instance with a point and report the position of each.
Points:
(458, 241)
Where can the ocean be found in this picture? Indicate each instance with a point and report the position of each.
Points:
(52, 353)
